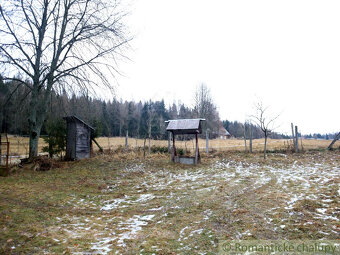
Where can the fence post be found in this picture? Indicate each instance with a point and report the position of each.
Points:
(251, 139)
(149, 145)
(293, 135)
(144, 147)
(207, 141)
(296, 140)
(245, 138)
(127, 140)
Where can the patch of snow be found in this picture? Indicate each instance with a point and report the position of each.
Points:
(198, 231)
(103, 246)
(181, 233)
(115, 203)
(292, 202)
(145, 197)
(156, 209)
(207, 214)
(132, 227)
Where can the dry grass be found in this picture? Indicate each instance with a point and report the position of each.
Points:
(217, 144)
(19, 145)
(117, 203)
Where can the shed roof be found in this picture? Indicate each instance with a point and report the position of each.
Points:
(75, 118)
(185, 126)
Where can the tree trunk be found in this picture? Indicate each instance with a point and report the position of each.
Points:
(34, 135)
(38, 110)
(265, 146)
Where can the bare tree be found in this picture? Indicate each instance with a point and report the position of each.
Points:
(59, 44)
(202, 101)
(205, 108)
(265, 122)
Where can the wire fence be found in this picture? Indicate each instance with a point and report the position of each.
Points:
(19, 146)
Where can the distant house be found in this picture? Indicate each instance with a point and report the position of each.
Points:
(223, 133)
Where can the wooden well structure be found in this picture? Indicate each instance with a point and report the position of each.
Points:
(78, 138)
(185, 127)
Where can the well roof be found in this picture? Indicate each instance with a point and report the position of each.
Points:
(185, 126)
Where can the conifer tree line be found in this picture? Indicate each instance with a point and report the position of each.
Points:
(116, 117)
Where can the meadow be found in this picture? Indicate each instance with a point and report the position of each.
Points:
(119, 203)
(19, 146)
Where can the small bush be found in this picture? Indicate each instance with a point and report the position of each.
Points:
(180, 151)
(159, 149)
(56, 138)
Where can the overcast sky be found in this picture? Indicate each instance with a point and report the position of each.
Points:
(285, 53)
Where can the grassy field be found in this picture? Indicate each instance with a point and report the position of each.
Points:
(117, 203)
(19, 145)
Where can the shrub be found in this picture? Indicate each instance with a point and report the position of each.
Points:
(56, 138)
(159, 149)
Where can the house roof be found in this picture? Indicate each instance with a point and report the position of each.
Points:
(74, 118)
(185, 126)
(223, 131)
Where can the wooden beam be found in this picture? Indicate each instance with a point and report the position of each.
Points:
(334, 140)
(173, 151)
(100, 148)
(296, 139)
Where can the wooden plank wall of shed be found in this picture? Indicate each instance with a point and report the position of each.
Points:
(83, 142)
(71, 140)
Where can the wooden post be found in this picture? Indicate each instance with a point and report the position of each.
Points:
(169, 142)
(334, 140)
(245, 138)
(251, 139)
(7, 156)
(94, 140)
(149, 145)
(293, 135)
(127, 140)
(196, 153)
(173, 151)
(296, 140)
(207, 141)
(144, 147)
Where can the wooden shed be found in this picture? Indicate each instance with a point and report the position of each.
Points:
(181, 127)
(78, 138)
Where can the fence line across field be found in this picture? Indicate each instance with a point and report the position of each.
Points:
(20, 145)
